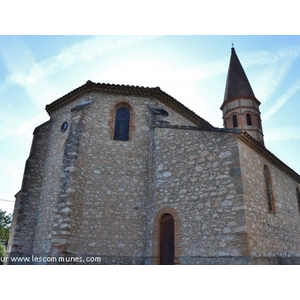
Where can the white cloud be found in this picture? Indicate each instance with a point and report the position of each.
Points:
(14, 126)
(69, 56)
(282, 134)
(17, 56)
(207, 70)
(270, 79)
(258, 58)
(282, 100)
(263, 57)
(39, 78)
(273, 69)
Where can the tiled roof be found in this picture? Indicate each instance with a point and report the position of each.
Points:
(129, 90)
(237, 84)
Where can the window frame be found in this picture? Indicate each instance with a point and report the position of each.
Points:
(248, 119)
(235, 122)
(298, 198)
(269, 190)
(112, 120)
(122, 123)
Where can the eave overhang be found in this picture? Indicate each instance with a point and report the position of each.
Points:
(128, 90)
(263, 151)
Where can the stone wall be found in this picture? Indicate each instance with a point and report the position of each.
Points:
(28, 199)
(116, 191)
(50, 187)
(272, 234)
(86, 194)
(196, 176)
(90, 193)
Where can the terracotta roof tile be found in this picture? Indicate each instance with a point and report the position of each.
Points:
(129, 90)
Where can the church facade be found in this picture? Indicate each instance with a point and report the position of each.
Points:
(129, 175)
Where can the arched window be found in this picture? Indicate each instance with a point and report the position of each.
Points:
(122, 123)
(249, 120)
(269, 192)
(235, 121)
(298, 198)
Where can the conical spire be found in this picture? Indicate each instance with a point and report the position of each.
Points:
(237, 84)
(240, 106)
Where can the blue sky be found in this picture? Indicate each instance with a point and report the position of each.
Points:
(36, 70)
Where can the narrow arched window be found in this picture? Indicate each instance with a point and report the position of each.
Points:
(249, 120)
(122, 123)
(269, 191)
(298, 198)
(235, 121)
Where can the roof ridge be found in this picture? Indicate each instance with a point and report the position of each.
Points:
(128, 89)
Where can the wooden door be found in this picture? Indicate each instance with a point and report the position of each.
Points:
(167, 240)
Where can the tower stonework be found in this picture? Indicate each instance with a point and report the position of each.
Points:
(128, 175)
(240, 106)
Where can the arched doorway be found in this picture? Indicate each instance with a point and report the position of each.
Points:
(167, 240)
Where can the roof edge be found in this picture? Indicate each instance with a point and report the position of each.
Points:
(156, 92)
(240, 98)
(261, 149)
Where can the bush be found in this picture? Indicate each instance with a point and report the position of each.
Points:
(2, 253)
(5, 222)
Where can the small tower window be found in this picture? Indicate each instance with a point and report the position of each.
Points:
(235, 121)
(122, 122)
(298, 198)
(249, 120)
(269, 192)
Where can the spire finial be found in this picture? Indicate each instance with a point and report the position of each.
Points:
(232, 47)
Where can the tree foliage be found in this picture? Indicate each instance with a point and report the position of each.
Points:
(2, 252)
(5, 223)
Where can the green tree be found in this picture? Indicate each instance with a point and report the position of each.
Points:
(5, 223)
(2, 252)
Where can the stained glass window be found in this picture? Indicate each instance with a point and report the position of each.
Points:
(122, 124)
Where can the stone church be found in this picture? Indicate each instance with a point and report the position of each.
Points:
(128, 175)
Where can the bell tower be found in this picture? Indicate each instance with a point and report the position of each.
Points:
(240, 106)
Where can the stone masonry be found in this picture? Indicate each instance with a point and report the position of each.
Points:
(85, 194)
(197, 174)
